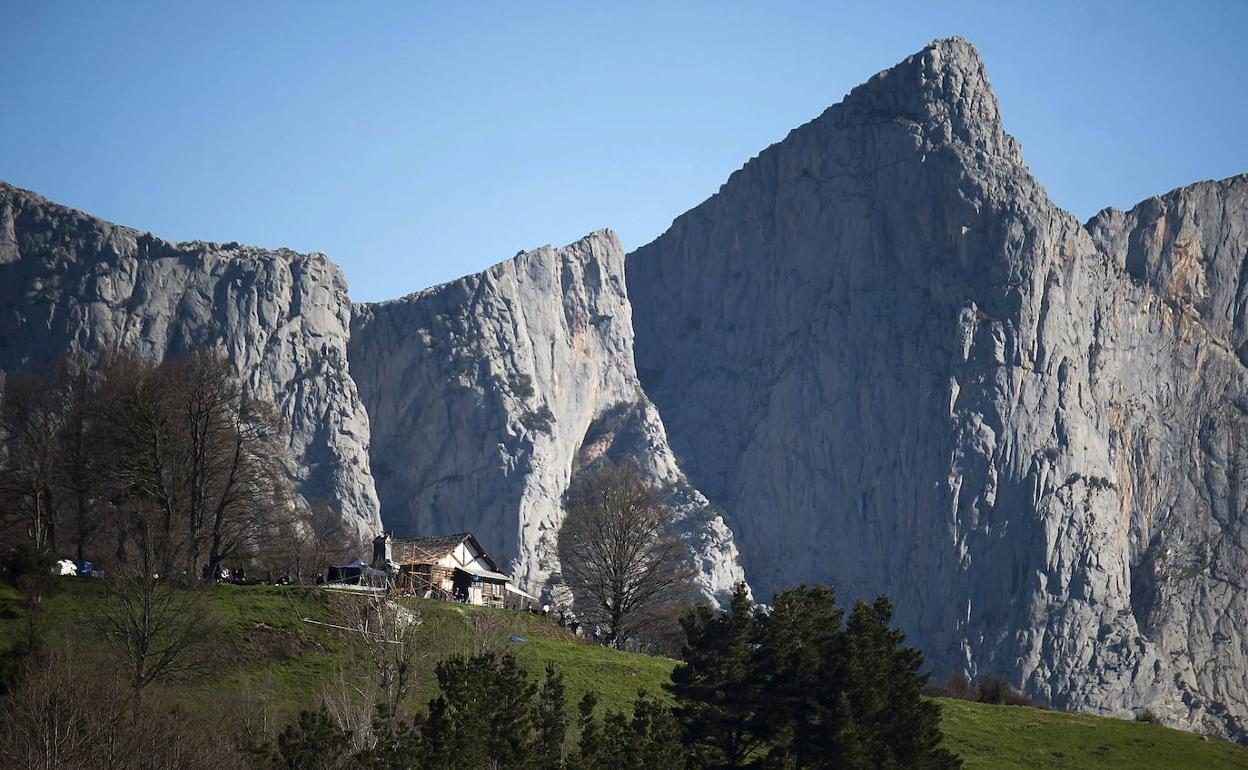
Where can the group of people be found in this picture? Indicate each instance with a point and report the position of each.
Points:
(227, 575)
(567, 620)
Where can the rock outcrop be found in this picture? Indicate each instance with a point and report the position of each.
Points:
(899, 368)
(487, 394)
(71, 283)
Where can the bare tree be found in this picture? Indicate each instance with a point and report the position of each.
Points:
(139, 444)
(388, 632)
(231, 464)
(102, 442)
(78, 471)
(616, 550)
(45, 723)
(156, 625)
(30, 423)
(202, 394)
(67, 713)
(195, 445)
(252, 484)
(388, 635)
(491, 632)
(306, 538)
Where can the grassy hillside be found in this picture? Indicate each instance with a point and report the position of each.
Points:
(992, 737)
(265, 646)
(264, 654)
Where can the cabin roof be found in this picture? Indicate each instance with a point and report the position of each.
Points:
(427, 550)
(488, 575)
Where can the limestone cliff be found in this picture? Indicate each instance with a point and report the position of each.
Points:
(71, 283)
(487, 394)
(880, 350)
(899, 368)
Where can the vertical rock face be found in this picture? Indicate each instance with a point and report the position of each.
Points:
(1180, 394)
(488, 393)
(70, 283)
(900, 368)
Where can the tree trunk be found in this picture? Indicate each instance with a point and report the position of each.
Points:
(617, 616)
(38, 523)
(80, 549)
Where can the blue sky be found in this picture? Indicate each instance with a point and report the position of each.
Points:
(417, 142)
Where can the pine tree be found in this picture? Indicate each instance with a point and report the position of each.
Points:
(397, 745)
(657, 734)
(484, 716)
(802, 686)
(650, 740)
(718, 688)
(801, 655)
(902, 729)
(313, 742)
(590, 748)
(550, 722)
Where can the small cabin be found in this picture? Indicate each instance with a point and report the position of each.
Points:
(452, 567)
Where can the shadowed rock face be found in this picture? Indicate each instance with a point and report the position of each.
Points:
(899, 368)
(71, 283)
(488, 393)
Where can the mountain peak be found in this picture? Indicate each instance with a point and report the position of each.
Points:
(943, 87)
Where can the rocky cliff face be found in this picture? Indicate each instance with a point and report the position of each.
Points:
(879, 349)
(1180, 391)
(70, 283)
(899, 368)
(488, 393)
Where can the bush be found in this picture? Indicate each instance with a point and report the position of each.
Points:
(996, 690)
(488, 715)
(23, 561)
(987, 688)
(72, 716)
(958, 686)
(539, 421)
(313, 742)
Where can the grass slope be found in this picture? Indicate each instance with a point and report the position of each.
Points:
(991, 737)
(264, 653)
(265, 650)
